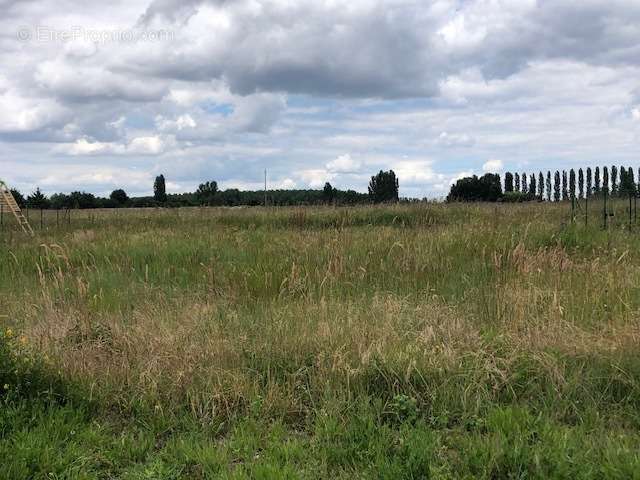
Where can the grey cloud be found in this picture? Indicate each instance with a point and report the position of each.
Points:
(393, 49)
(173, 11)
(516, 80)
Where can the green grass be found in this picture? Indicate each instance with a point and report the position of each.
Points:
(417, 341)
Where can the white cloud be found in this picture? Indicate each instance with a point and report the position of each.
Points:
(316, 178)
(24, 114)
(455, 140)
(493, 166)
(150, 145)
(344, 164)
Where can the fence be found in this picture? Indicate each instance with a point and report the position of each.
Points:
(597, 211)
(37, 218)
(70, 219)
(606, 208)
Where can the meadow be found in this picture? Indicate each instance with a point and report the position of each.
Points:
(409, 341)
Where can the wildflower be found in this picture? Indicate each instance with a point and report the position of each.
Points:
(23, 340)
(9, 333)
(6, 386)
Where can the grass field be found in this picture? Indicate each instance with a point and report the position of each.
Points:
(412, 341)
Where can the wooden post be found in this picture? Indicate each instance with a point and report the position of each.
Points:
(586, 211)
(604, 208)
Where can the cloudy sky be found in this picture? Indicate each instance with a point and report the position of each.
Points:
(102, 95)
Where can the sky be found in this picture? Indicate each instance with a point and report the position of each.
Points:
(96, 96)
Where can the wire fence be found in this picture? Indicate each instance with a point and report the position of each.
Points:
(602, 211)
(605, 210)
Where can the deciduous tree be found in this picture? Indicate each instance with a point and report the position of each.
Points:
(206, 192)
(384, 187)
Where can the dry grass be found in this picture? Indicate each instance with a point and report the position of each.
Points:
(285, 312)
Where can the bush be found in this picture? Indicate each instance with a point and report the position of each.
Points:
(517, 197)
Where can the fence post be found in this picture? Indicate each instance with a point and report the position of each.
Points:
(604, 207)
(586, 211)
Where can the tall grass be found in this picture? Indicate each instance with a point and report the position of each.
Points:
(449, 324)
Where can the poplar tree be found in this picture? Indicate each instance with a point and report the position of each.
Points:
(605, 179)
(556, 186)
(614, 180)
(523, 180)
(548, 185)
(572, 183)
(517, 180)
(596, 181)
(623, 181)
(160, 189)
(580, 183)
(508, 182)
(627, 182)
(589, 182)
(540, 186)
(565, 190)
(532, 185)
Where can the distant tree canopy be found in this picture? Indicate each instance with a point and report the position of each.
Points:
(329, 193)
(569, 184)
(383, 187)
(206, 192)
(474, 189)
(37, 200)
(119, 196)
(18, 197)
(79, 200)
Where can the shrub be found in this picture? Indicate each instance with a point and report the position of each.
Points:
(517, 197)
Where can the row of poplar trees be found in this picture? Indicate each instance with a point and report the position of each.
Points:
(564, 186)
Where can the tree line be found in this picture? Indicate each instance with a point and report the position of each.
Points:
(557, 186)
(383, 187)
